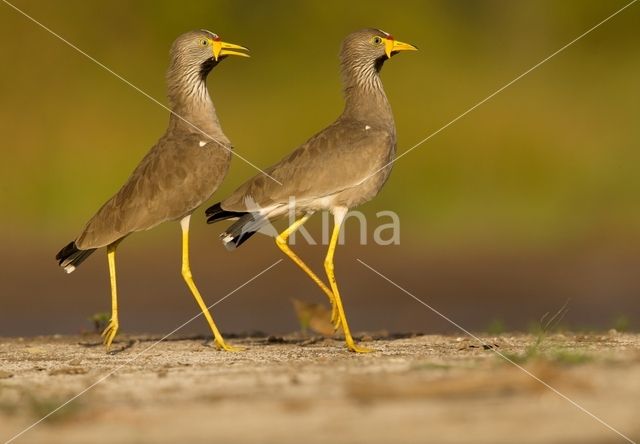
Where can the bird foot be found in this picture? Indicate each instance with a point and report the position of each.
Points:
(110, 332)
(356, 349)
(221, 345)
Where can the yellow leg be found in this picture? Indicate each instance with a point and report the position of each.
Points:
(186, 274)
(112, 328)
(339, 214)
(281, 241)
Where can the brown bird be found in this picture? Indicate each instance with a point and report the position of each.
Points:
(342, 166)
(182, 170)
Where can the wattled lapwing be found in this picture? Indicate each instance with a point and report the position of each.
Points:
(180, 172)
(342, 166)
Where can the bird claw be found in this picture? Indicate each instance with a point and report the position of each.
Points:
(110, 332)
(221, 345)
(354, 348)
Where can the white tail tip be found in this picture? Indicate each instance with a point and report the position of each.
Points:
(228, 238)
(69, 269)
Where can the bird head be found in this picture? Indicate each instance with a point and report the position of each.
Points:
(371, 46)
(202, 49)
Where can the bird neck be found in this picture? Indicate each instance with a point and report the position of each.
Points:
(190, 103)
(365, 99)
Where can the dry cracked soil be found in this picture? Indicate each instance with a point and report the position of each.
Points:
(560, 388)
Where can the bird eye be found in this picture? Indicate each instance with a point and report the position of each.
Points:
(204, 42)
(377, 40)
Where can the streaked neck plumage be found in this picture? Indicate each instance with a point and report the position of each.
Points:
(189, 98)
(365, 99)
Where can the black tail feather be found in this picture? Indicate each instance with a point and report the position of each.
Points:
(215, 213)
(241, 230)
(71, 256)
(246, 225)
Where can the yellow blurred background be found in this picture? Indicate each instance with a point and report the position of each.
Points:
(528, 202)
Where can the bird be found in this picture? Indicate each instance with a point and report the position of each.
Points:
(340, 167)
(180, 172)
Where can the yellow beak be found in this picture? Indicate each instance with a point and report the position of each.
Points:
(392, 46)
(224, 49)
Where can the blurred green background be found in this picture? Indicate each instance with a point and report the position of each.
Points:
(528, 201)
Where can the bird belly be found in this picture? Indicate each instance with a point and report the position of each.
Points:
(361, 192)
(322, 203)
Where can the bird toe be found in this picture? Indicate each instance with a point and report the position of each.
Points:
(356, 349)
(110, 333)
(227, 347)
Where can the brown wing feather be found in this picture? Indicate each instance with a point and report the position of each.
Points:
(171, 181)
(335, 159)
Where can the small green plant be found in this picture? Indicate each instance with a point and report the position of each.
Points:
(496, 327)
(540, 331)
(532, 351)
(621, 323)
(100, 321)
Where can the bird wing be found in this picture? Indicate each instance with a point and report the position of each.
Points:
(338, 158)
(172, 180)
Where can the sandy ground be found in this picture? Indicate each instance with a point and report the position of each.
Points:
(441, 389)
